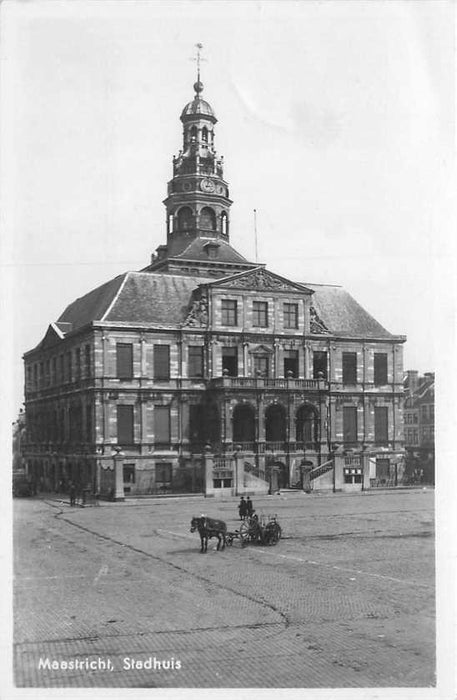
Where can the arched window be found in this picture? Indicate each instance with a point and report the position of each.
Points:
(243, 423)
(170, 223)
(208, 219)
(275, 423)
(185, 219)
(306, 424)
(205, 134)
(224, 223)
(193, 134)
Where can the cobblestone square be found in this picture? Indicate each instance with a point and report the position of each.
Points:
(119, 595)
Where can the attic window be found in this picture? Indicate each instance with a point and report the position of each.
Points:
(212, 249)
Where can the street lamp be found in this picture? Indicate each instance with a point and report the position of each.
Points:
(118, 458)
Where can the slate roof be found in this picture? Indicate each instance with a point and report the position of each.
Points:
(343, 315)
(163, 300)
(135, 297)
(196, 251)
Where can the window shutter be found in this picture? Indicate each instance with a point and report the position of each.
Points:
(125, 425)
(380, 368)
(161, 361)
(124, 360)
(349, 424)
(162, 424)
(349, 368)
(380, 424)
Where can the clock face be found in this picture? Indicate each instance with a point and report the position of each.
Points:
(207, 185)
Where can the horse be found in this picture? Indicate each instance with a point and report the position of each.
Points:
(207, 528)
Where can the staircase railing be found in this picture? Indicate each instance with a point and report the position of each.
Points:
(321, 469)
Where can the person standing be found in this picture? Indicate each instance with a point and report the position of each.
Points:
(72, 494)
(249, 507)
(242, 508)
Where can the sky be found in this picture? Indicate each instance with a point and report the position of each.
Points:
(336, 123)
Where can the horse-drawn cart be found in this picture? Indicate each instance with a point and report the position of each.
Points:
(264, 530)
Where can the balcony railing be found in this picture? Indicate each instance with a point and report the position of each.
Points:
(269, 383)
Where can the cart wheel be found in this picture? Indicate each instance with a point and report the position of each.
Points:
(244, 533)
(276, 535)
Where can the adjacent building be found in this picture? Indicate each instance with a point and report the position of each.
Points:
(206, 372)
(419, 415)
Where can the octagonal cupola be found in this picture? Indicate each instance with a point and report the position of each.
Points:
(198, 200)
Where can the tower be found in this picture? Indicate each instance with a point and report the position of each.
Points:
(198, 203)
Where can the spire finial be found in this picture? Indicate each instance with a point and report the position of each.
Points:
(198, 86)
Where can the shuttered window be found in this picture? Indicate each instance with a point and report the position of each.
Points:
(349, 368)
(195, 360)
(380, 368)
(125, 425)
(349, 424)
(162, 424)
(124, 360)
(161, 362)
(380, 424)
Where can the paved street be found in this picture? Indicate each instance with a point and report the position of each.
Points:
(346, 599)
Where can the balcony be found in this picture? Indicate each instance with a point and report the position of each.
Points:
(269, 383)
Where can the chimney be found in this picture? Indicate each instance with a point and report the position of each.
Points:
(412, 378)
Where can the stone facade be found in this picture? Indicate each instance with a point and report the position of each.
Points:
(205, 372)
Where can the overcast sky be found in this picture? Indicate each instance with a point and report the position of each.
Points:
(335, 121)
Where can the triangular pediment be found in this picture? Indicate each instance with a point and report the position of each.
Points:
(261, 350)
(261, 280)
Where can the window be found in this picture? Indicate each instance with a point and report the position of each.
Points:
(195, 361)
(89, 436)
(349, 368)
(319, 364)
(87, 360)
(128, 471)
(290, 315)
(208, 219)
(349, 424)
(78, 364)
(69, 367)
(380, 424)
(54, 370)
(162, 424)
(196, 423)
(124, 360)
(170, 223)
(185, 219)
(229, 312)
(260, 366)
(125, 425)
(224, 223)
(424, 412)
(380, 368)
(260, 314)
(163, 472)
(205, 134)
(230, 361)
(291, 363)
(161, 362)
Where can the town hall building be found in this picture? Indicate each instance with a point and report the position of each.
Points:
(208, 373)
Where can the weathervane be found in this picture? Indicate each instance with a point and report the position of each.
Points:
(198, 58)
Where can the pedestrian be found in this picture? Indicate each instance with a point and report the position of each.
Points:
(249, 507)
(242, 508)
(72, 494)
